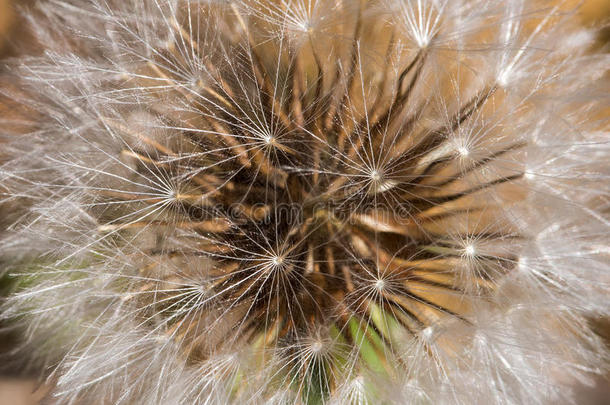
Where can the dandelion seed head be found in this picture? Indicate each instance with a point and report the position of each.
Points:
(302, 201)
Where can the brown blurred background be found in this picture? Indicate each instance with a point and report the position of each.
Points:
(14, 40)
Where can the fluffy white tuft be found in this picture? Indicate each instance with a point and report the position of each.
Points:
(307, 201)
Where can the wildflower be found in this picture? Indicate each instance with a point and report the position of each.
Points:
(303, 201)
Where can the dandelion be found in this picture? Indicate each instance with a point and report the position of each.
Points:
(303, 201)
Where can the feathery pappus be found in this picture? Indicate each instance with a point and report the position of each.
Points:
(308, 202)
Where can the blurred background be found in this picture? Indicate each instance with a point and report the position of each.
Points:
(15, 40)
